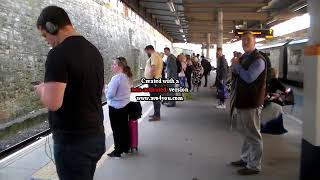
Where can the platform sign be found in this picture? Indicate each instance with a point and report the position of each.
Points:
(259, 33)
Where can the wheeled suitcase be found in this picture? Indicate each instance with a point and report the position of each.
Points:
(133, 128)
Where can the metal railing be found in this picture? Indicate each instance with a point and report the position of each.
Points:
(24, 143)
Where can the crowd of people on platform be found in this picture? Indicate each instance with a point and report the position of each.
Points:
(74, 82)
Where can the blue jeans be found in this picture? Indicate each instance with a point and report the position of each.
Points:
(172, 94)
(78, 159)
(221, 92)
(182, 81)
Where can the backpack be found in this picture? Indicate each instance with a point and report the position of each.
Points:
(134, 110)
(266, 57)
(206, 66)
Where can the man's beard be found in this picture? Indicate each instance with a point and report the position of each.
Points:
(149, 55)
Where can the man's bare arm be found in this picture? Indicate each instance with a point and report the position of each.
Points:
(51, 94)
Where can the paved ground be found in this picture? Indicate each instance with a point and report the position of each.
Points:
(193, 141)
(296, 110)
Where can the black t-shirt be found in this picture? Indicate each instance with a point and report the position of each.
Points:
(79, 64)
(179, 67)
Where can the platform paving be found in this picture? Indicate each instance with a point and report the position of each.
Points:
(193, 141)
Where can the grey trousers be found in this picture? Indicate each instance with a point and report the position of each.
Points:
(156, 104)
(248, 125)
(171, 94)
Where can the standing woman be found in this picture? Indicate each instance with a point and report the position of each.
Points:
(189, 70)
(182, 73)
(196, 74)
(118, 96)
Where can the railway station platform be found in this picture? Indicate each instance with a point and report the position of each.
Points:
(192, 141)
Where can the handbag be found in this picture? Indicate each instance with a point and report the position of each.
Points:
(187, 95)
(222, 91)
(134, 110)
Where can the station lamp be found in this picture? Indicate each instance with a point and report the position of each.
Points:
(171, 6)
(177, 21)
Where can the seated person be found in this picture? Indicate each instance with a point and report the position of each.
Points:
(272, 113)
(272, 119)
(274, 86)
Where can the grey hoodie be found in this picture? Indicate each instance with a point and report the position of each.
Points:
(222, 69)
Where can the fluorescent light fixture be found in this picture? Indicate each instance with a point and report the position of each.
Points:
(181, 30)
(183, 35)
(171, 6)
(297, 9)
(177, 21)
(271, 21)
(185, 39)
(240, 26)
(271, 46)
(299, 41)
(260, 39)
(295, 24)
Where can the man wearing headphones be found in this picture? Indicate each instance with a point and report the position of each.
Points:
(72, 90)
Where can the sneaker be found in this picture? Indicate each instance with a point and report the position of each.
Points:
(170, 105)
(164, 102)
(246, 171)
(240, 163)
(154, 118)
(221, 106)
(114, 154)
(127, 151)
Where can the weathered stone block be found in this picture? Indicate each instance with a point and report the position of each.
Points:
(23, 51)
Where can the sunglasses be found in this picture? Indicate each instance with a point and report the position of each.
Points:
(122, 60)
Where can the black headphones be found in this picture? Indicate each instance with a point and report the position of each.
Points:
(51, 28)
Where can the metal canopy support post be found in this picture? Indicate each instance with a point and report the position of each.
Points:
(310, 148)
(220, 29)
(202, 47)
(208, 45)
